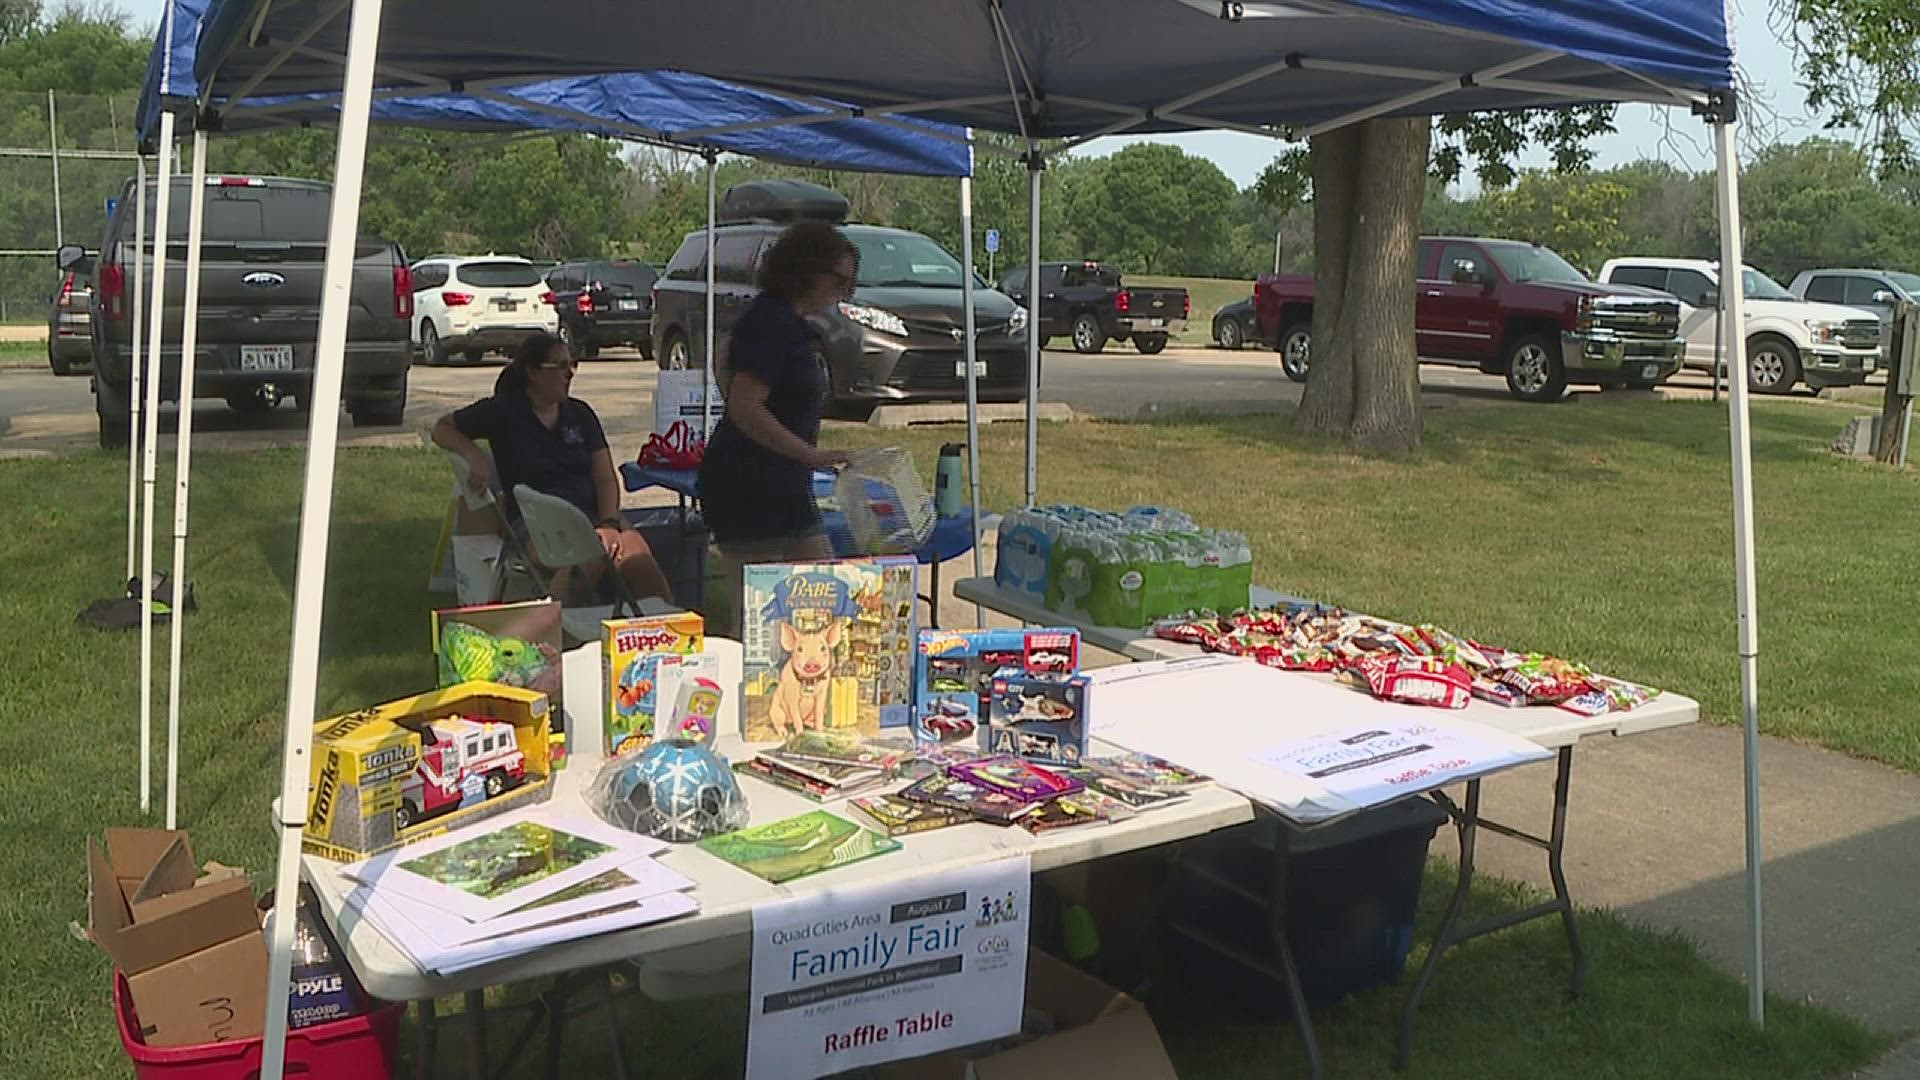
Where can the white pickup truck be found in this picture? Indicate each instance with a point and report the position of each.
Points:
(1789, 340)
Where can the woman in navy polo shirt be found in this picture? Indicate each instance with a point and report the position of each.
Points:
(553, 443)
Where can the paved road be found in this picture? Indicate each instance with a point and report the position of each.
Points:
(41, 414)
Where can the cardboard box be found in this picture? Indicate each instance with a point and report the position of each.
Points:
(828, 646)
(375, 779)
(511, 644)
(631, 651)
(1040, 718)
(954, 669)
(1099, 1032)
(189, 945)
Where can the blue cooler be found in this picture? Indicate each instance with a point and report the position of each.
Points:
(1351, 891)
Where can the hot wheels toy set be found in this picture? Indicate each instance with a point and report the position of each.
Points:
(954, 672)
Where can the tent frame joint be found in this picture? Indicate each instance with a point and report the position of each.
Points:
(1720, 107)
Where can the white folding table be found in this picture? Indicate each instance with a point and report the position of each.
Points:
(1550, 728)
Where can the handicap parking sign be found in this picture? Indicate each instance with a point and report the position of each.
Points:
(993, 241)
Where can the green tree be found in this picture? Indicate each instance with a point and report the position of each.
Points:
(1576, 215)
(1152, 208)
(1856, 60)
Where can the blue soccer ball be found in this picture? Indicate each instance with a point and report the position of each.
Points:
(678, 791)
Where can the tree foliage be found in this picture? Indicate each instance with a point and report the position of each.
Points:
(1857, 63)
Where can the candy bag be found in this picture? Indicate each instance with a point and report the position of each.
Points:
(1415, 680)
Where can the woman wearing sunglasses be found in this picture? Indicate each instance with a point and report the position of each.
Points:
(756, 486)
(552, 442)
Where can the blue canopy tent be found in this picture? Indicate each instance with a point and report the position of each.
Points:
(1040, 69)
(669, 109)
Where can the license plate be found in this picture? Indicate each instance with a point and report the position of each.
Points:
(629, 305)
(507, 305)
(979, 369)
(1649, 371)
(266, 358)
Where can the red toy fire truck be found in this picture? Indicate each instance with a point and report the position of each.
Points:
(462, 762)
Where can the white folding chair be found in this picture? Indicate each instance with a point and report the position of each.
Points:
(480, 567)
(561, 536)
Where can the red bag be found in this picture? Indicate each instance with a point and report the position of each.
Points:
(679, 448)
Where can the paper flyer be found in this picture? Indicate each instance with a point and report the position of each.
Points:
(851, 977)
(1375, 765)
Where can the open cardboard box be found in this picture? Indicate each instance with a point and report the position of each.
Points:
(1099, 1032)
(189, 944)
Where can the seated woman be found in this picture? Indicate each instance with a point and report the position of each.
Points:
(552, 443)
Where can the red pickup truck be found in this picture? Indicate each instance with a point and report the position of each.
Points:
(1508, 308)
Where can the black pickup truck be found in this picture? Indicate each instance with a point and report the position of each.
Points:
(1088, 303)
(262, 258)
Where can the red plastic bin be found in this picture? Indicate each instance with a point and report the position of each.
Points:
(360, 1047)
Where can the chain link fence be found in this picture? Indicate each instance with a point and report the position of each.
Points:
(62, 157)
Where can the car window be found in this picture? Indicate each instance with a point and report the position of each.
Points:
(1531, 262)
(634, 275)
(1759, 286)
(498, 275)
(733, 253)
(1014, 281)
(1691, 286)
(1827, 288)
(429, 276)
(1908, 283)
(1452, 254)
(240, 213)
(1860, 290)
(901, 259)
(1648, 277)
(1092, 277)
(689, 263)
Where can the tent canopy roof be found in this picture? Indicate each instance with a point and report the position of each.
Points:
(663, 107)
(1044, 68)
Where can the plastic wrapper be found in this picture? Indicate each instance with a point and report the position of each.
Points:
(1415, 680)
(887, 508)
(1545, 680)
(673, 790)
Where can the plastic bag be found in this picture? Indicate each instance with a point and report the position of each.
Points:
(888, 509)
(672, 790)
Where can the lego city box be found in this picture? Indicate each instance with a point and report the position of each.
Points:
(415, 768)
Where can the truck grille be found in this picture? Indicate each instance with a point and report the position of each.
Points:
(1860, 333)
(947, 329)
(1654, 320)
(928, 370)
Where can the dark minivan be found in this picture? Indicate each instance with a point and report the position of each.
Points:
(898, 338)
(262, 255)
(604, 303)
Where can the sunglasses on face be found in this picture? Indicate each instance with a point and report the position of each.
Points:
(564, 365)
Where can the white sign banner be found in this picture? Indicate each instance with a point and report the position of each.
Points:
(677, 397)
(1377, 764)
(853, 977)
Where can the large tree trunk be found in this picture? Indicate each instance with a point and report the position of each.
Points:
(1369, 181)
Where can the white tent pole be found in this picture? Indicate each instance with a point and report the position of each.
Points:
(310, 584)
(183, 462)
(970, 351)
(709, 367)
(150, 451)
(136, 396)
(1033, 322)
(1732, 301)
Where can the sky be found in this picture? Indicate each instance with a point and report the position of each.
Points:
(1643, 131)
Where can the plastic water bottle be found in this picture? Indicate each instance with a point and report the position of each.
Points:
(949, 481)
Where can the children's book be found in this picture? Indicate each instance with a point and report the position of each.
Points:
(828, 646)
(984, 803)
(1138, 796)
(1147, 771)
(897, 816)
(781, 851)
(1017, 778)
(842, 748)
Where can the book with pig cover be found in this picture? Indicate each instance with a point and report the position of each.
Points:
(828, 646)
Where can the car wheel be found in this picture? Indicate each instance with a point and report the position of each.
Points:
(433, 352)
(1534, 372)
(1773, 364)
(646, 349)
(1087, 335)
(676, 356)
(1296, 347)
(110, 405)
(385, 411)
(60, 364)
(1227, 333)
(1148, 344)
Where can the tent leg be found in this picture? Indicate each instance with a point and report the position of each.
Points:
(1745, 592)
(709, 366)
(310, 583)
(970, 352)
(183, 464)
(136, 398)
(150, 450)
(1033, 322)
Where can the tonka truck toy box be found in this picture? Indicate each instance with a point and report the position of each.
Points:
(1041, 718)
(415, 768)
(828, 646)
(954, 670)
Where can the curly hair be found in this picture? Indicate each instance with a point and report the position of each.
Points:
(794, 262)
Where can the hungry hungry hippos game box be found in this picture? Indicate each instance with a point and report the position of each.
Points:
(632, 651)
(954, 670)
(828, 646)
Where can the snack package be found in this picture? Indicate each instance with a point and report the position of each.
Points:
(1415, 680)
(1545, 680)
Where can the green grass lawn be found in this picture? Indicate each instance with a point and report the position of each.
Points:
(1598, 530)
(23, 354)
(1209, 295)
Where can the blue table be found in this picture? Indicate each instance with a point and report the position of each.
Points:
(951, 538)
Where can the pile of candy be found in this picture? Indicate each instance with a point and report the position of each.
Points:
(1422, 665)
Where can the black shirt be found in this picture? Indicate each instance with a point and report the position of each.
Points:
(748, 491)
(555, 460)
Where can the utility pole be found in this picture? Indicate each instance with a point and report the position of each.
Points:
(53, 145)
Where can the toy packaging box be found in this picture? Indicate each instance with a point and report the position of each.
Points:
(415, 768)
(1038, 717)
(632, 651)
(828, 646)
(511, 644)
(954, 670)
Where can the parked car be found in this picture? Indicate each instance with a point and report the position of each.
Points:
(264, 248)
(1788, 339)
(1237, 324)
(897, 338)
(70, 325)
(1089, 304)
(472, 306)
(604, 303)
(1878, 291)
(1508, 308)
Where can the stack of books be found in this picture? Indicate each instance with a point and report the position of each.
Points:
(825, 766)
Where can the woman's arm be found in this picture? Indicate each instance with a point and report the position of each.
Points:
(747, 408)
(606, 489)
(448, 436)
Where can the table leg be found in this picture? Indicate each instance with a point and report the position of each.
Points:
(603, 988)
(1556, 843)
(426, 1049)
(1466, 824)
(933, 599)
(476, 1034)
(1277, 929)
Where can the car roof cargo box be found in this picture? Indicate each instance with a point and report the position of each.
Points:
(782, 201)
